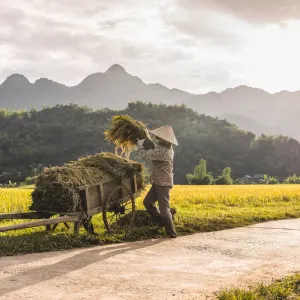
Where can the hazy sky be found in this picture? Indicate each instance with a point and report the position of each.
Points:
(194, 45)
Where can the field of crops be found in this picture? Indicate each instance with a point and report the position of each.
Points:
(200, 208)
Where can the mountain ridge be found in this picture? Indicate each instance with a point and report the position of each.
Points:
(151, 83)
(115, 88)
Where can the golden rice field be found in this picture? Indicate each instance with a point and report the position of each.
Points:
(14, 200)
(200, 209)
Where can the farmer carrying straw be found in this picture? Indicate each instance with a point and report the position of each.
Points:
(162, 176)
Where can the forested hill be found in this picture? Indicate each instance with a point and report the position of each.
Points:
(52, 136)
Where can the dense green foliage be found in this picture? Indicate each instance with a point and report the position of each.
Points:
(52, 136)
(225, 178)
(200, 175)
(294, 179)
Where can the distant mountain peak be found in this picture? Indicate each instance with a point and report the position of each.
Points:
(16, 80)
(17, 77)
(45, 81)
(116, 68)
(244, 89)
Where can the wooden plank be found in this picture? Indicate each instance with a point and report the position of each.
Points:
(95, 184)
(81, 188)
(95, 211)
(62, 213)
(82, 195)
(135, 188)
(41, 223)
(48, 227)
(24, 216)
(99, 195)
(87, 198)
(102, 193)
(77, 226)
(94, 199)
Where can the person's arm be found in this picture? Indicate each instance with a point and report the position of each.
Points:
(158, 153)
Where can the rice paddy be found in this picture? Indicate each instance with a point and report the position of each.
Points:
(199, 209)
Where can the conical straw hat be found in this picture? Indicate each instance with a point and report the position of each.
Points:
(165, 133)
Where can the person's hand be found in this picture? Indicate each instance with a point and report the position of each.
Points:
(140, 143)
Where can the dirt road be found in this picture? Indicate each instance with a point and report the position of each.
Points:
(190, 267)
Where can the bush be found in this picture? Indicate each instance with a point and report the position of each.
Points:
(273, 180)
(242, 181)
(223, 181)
(206, 180)
(200, 175)
(30, 180)
(225, 178)
(11, 184)
(294, 179)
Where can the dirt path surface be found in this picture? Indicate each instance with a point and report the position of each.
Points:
(190, 267)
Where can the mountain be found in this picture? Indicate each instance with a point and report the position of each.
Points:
(249, 124)
(112, 89)
(251, 108)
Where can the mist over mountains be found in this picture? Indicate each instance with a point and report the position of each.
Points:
(249, 108)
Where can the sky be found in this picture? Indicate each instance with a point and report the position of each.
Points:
(193, 45)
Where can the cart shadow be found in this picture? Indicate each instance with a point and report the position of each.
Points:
(8, 261)
(76, 262)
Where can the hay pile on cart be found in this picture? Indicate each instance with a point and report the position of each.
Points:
(57, 188)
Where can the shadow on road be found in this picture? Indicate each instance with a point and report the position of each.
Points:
(63, 267)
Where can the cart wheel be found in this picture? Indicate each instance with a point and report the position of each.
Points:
(117, 212)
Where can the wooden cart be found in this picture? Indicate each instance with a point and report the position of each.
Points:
(115, 201)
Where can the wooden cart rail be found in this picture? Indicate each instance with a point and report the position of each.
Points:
(33, 215)
(45, 222)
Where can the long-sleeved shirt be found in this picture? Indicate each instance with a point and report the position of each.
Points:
(162, 164)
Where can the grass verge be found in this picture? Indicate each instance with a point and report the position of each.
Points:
(286, 288)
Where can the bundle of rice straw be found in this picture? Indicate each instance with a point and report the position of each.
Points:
(124, 132)
(56, 187)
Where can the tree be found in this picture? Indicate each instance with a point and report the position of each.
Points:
(200, 175)
(32, 140)
(225, 178)
(200, 170)
(273, 180)
(294, 179)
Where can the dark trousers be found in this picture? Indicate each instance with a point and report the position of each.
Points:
(162, 195)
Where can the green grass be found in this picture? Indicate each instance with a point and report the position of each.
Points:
(286, 288)
(200, 209)
(25, 187)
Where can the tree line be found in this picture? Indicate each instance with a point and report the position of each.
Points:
(201, 176)
(31, 140)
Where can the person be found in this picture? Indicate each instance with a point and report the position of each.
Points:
(162, 176)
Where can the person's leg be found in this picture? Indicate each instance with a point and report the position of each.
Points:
(163, 196)
(151, 208)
